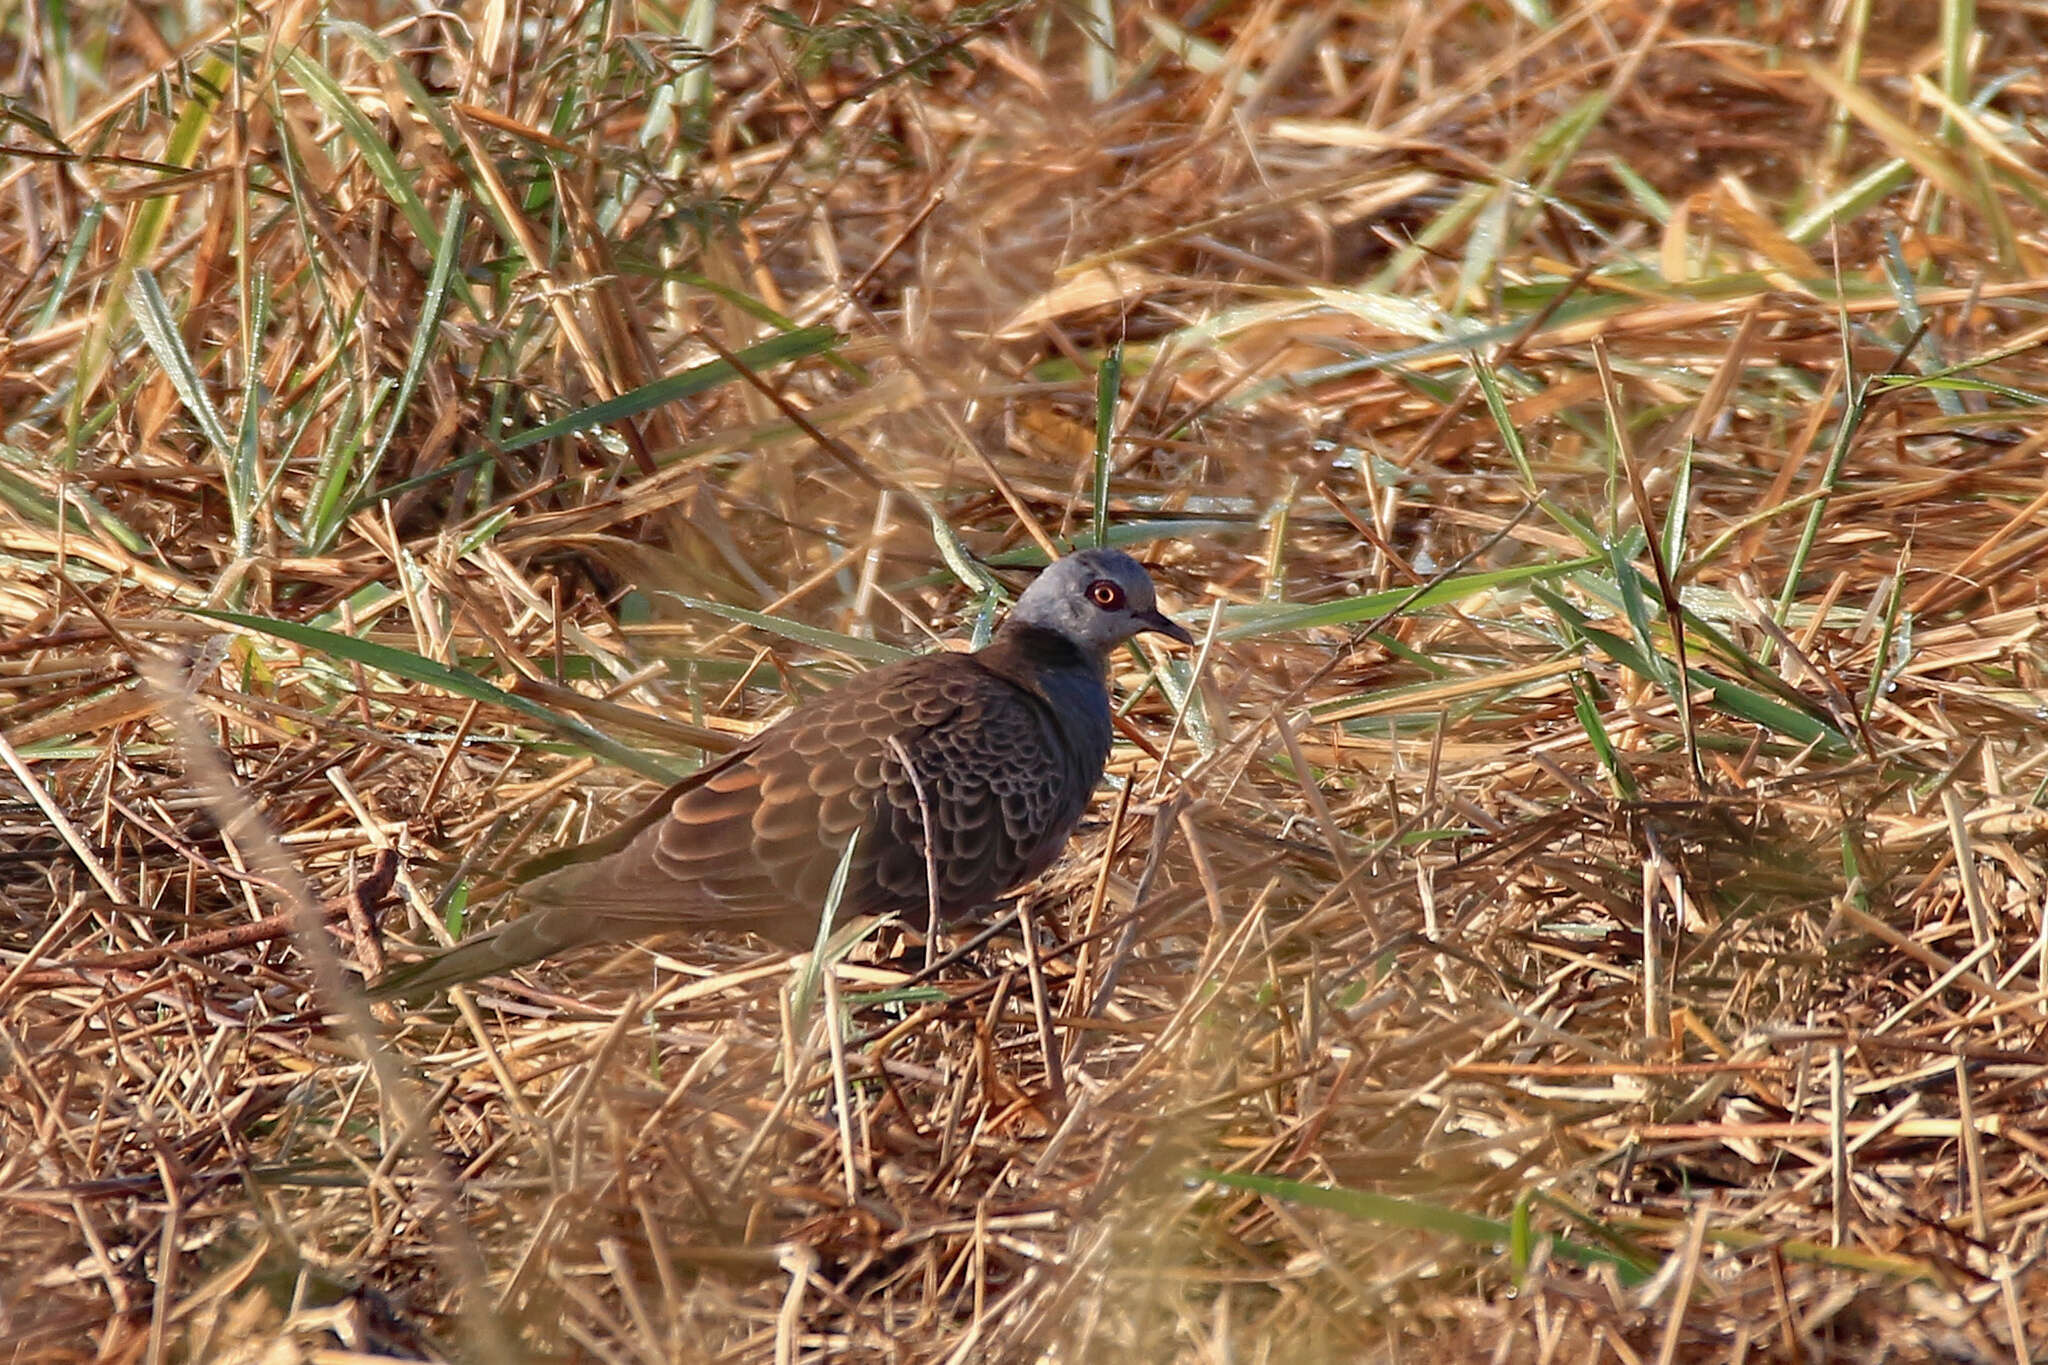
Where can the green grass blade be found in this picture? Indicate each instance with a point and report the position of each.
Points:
(83, 512)
(1504, 422)
(1677, 516)
(1109, 380)
(1521, 1242)
(817, 637)
(961, 560)
(1635, 609)
(329, 507)
(1253, 622)
(1587, 708)
(1850, 202)
(1730, 697)
(67, 269)
(1123, 533)
(150, 221)
(238, 458)
(1419, 1216)
(414, 668)
(797, 345)
(332, 502)
(825, 953)
(374, 147)
(1897, 627)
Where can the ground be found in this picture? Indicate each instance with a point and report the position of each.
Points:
(1579, 901)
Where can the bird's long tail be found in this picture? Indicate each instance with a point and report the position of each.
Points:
(514, 943)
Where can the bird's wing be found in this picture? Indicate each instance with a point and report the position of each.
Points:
(753, 842)
(1002, 788)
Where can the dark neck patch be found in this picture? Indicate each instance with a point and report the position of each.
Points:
(1030, 655)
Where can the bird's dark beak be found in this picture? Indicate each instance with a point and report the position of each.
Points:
(1160, 624)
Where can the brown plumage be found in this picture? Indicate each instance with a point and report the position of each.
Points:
(1002, 747)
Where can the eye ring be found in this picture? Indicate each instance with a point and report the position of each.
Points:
(1106, 595)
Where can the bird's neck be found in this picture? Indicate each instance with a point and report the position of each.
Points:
(1071, 681)
(1031, 656)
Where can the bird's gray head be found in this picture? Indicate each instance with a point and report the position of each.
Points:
(1096, 598)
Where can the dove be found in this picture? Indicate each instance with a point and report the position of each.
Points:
(990, 756)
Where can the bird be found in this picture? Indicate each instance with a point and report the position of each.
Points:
(1001, 747)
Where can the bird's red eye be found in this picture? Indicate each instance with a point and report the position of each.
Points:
(1105, 594)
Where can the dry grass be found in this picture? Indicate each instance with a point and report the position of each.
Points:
(1447, 974)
